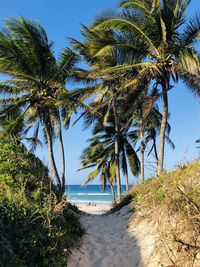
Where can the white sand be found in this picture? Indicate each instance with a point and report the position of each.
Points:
(107, 242)
(94, 208)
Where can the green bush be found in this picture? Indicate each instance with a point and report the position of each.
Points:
(19, 166)
(35, 230)
(38, 235)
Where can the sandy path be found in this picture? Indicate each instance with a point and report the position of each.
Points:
(107, 242)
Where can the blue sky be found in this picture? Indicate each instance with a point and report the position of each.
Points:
(62, 19)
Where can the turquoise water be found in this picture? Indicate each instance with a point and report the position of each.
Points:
(89, 194)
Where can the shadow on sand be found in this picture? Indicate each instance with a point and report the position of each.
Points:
(107, 243)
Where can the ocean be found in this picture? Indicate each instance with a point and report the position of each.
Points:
(90, 194)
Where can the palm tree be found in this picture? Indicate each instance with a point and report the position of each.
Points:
(96, 155)
(36, 83)
(102, 147)
(146, 128)
(166, 49)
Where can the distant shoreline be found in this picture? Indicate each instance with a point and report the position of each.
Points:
(94, 209)
(90, 194)
(86, 202)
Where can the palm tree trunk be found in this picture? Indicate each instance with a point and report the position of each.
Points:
(113, 192)
(119, 192)
(126, 180)
(51, 157)
(118, 178)
(155, 151)
(125, 169)
(142, 149)
(62, 191)
(162, 128)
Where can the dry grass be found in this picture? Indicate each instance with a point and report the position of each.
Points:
(173, 200)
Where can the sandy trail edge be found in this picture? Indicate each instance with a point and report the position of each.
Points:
(108, 242)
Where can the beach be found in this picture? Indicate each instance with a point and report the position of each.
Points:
(93, 208)
(93, 194)
(119, 239)
(107, 242)
(91, 199)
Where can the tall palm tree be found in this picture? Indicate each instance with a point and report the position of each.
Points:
(165, 47)
(36, 83)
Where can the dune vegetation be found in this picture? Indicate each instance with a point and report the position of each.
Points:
(35, 230)
(169, 206)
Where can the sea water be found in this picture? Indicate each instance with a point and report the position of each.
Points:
(90, 194)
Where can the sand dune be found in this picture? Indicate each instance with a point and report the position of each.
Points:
(107, 243)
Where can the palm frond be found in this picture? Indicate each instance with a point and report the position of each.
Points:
(125, 25)
(191, 33)
(132, 159)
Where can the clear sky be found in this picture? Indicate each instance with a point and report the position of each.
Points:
(61, 19)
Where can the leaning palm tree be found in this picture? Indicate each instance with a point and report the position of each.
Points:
(165, 47)
(35, 85)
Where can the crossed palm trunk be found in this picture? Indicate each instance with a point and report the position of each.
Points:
(60, 180)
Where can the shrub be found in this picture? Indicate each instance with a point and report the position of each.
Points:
(36, 235)
(19, 166)
(35, 230)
